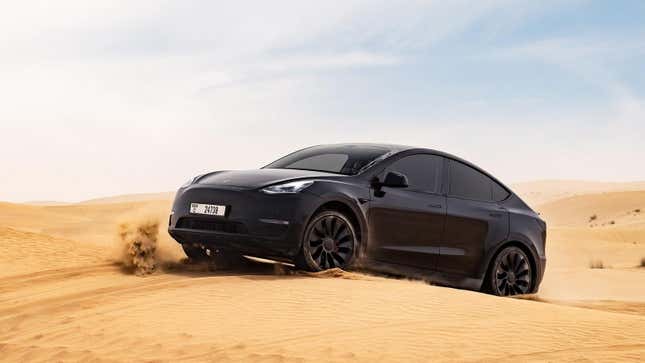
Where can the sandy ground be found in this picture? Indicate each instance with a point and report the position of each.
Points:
(63, 297)
(544, 191)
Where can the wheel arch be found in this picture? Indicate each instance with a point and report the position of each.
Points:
(530, 252)
(351, 210)
(345, 208)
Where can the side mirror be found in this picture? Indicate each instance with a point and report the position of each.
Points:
(393, 180)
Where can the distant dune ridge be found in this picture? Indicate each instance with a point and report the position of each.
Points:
(142, 197)
(622, 209)
(544, 191)
(64, 295)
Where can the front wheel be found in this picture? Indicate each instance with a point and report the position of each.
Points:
(511, 273)
(329, 241)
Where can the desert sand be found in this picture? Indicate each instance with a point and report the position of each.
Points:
(544, 191)
(66, 296)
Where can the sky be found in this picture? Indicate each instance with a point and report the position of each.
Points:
(102, 98)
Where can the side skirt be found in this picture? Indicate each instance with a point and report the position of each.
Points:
(434, 277)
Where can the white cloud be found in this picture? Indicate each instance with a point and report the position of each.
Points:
(322, 61)
(596, 61)
(579, 48)
(104, 97)
(593, 58)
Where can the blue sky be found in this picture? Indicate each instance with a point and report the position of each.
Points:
(111, 97)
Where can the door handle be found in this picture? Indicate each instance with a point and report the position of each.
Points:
(435, 205)
(495, 215)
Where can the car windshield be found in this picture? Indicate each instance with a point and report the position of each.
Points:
(339, 159)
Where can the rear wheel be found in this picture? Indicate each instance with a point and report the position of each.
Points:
(329, 241)
(220, 258)
(511, 273)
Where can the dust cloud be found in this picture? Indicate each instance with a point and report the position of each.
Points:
(143, 245)
(139, 246)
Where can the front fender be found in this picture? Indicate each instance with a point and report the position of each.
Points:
(355, 197)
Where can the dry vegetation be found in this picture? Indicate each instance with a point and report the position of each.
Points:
(596, 264)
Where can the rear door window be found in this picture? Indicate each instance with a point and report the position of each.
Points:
(469, 183)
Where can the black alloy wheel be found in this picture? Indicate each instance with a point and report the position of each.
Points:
(511, 273)
(330, 241)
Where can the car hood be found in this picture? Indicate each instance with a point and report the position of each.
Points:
(252, 179)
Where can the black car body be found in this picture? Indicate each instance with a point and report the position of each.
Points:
(411, 209)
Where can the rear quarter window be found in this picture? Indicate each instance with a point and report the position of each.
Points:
(469, 183)
(499, 193)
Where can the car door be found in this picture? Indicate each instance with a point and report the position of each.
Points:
(474, 219)
(406, 224)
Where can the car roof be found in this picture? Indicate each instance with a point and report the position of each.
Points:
(392, 147)
(397, 149)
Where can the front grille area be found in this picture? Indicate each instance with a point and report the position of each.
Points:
(215, 226)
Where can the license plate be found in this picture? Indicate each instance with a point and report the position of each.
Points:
(208, 209)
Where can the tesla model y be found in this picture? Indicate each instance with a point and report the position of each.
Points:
(412, 209)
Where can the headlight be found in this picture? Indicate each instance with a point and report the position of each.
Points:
(288, 188)
(190, 181)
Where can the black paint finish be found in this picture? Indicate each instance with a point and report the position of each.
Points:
(448, 222)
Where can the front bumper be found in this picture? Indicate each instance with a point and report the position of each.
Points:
(255, 223)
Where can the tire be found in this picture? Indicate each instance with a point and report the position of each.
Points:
(220, 258)
(511, 273)
(329, 241)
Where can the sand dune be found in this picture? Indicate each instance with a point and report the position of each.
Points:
(94, 224)
(593, 210)
(544, 191)
(129, 198)
(63, 298)
(27, 251)
(602, 229)
(99, 314)
(46, 202)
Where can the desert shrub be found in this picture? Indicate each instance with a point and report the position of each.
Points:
(643, 262)
(612, 222)
(596, 264)
(637, 210)
(593, 218)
